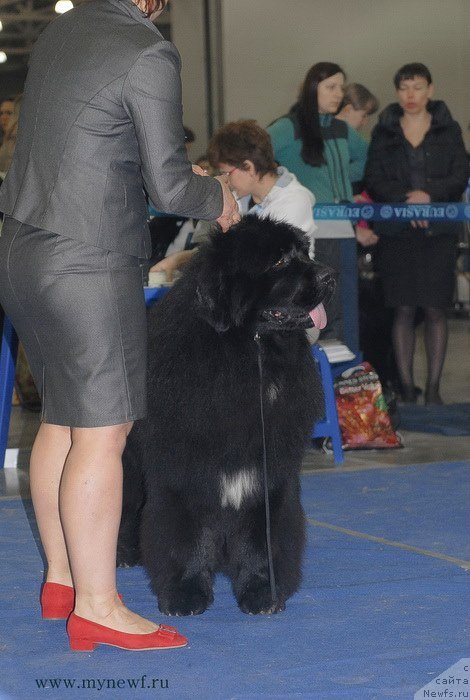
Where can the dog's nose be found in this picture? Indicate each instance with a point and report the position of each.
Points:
(325, 279)
(326, 276)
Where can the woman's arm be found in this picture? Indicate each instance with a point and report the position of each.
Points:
(152, 97)
(173, 262)
(452, 186)
(358, 148)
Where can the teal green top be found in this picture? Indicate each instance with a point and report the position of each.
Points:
(345, 153)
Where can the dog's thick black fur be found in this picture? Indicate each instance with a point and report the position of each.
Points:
(200, 451)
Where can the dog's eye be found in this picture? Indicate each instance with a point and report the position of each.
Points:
(281, 262)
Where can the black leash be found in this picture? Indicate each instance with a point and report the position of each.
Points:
(272, 580)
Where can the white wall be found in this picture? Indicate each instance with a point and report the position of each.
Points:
(270, 44)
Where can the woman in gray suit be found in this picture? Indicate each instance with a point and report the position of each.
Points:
(101, 122)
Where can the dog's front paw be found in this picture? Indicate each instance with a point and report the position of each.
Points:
(187, 604)
(257, 600)
(187, 600)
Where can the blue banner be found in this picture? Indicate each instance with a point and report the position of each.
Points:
(435, 211)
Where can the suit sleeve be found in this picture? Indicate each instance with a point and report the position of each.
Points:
(152, 97)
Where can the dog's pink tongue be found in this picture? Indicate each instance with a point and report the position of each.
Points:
(318, 316)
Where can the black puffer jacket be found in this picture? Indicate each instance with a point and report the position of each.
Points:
(387, 175)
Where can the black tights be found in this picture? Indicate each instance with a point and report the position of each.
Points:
(435, 341)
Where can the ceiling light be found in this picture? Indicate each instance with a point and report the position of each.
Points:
(1, 26)
(62, 6)
(3, 57)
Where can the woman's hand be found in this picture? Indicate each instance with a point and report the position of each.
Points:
(230, 214)
(365, 236)
(418, 197)
(197, 170)
(172, 263)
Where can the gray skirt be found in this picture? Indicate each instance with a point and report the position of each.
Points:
(79, 311)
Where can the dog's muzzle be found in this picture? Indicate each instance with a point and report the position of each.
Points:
(324, 282)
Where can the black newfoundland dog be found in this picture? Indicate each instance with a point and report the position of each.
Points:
(232, 385)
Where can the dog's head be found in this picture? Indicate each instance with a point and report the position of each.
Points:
(258, 275)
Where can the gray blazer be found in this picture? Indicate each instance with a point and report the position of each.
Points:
(101, 118)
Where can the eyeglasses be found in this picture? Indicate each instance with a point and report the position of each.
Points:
(227, 172)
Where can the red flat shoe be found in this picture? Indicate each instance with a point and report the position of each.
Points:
(84, 635)
(57, 601)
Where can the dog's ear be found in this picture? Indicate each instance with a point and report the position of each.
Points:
(210, 301)
(223, 301)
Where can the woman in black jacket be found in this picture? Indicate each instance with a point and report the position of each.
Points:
(417, 156)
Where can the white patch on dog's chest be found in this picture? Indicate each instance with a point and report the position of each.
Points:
(236, 487)
(272, 392)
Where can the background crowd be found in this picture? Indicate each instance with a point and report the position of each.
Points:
(316, 154)
(416, 155)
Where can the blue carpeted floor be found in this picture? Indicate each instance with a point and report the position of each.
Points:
(452, 419)
(372, 620)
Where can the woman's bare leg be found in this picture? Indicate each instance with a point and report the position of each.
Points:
(50, 450)
(90, 502)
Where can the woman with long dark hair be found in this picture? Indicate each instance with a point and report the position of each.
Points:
(326, 155)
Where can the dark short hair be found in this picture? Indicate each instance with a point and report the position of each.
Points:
(359, 97)
(410, 71)
(236, 142)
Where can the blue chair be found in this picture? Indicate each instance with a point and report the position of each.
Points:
(152, 294)
(8, 351)
(329, 425)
